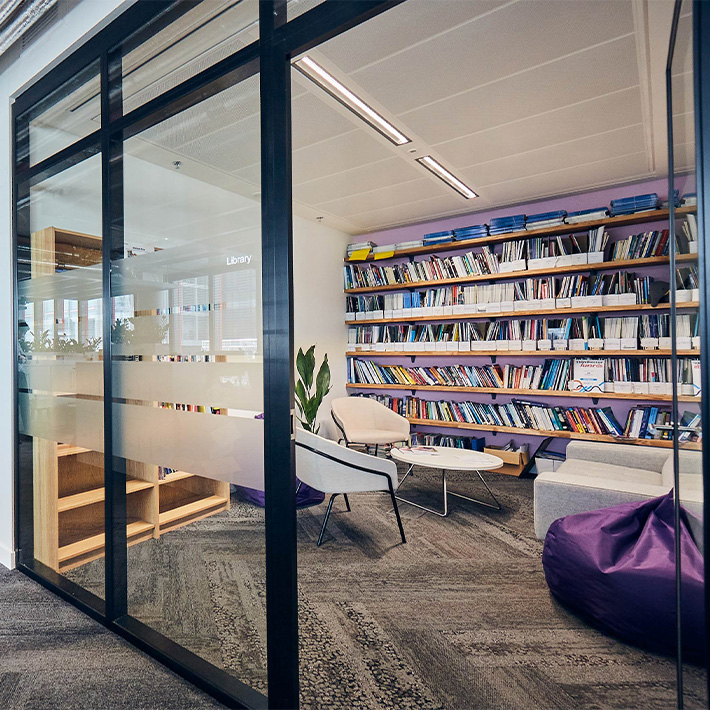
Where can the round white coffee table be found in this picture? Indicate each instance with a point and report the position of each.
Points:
(447, 458)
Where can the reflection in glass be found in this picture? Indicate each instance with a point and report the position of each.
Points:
(71, 112)
(60, 373)
(211, 31)
(686, 472)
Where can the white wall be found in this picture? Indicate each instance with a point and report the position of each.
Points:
(319, 303)
(83, 20)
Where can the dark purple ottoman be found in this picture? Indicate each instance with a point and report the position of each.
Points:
(616, 567)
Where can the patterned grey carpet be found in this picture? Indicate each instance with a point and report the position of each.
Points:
(458, 618)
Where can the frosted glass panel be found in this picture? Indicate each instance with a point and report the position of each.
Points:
(60, 368)
(187, 367)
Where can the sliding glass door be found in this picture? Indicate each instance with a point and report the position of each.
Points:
(684, 472)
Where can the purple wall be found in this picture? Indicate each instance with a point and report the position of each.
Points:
(570, 203)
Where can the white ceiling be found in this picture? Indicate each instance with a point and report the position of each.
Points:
(522, 100)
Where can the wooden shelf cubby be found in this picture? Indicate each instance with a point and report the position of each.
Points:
(69, 503)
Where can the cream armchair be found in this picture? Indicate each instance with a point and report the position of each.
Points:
(326, 466)
(363, 420)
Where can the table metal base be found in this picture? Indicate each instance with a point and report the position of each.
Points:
(495, 505)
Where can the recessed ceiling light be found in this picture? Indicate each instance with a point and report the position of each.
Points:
(443, 174)
(341, 93)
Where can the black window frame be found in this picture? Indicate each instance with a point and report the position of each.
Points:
(270, 55)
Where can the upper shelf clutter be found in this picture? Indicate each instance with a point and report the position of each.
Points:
(632, 210)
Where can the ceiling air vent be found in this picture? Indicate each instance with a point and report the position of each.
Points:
(39, 26)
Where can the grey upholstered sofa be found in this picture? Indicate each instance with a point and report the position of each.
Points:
(596, 475)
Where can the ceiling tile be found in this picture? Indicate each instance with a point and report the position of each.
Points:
(373, 176)
(399, 28)
(313, 120)
(564, 124)
(344, 152)
(387, 197)
(623, 141)
(575, 78)
(562, 182)
(516, 37)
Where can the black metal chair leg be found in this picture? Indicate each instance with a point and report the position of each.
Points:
(347, 502)
(325, 521)
(396, 512)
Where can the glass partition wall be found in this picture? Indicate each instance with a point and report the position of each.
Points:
(154, 349)
(685, 279)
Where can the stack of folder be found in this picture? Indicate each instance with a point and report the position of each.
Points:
(637, 203)
(412, 244)
(545, 219)
(360, 246)
(475, 232)
(586, 215)
(503, 225)
(438, 237)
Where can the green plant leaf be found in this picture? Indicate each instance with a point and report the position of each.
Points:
(301, 397)
(301, 364)
(323, 379)
(310, 358)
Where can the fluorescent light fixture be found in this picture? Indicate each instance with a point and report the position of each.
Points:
(443, 174)
(338, 91)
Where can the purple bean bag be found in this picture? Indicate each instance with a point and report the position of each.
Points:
(616, 567)
(306, 496)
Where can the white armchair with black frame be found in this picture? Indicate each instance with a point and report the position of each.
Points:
(363, 420)
(326, 466)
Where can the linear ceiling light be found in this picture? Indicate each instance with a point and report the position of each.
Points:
(329, 83)
(443, 174)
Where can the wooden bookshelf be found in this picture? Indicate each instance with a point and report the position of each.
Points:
(558, 312)
(449, 248)
(68, 480)
(69, 497)
(524, 392)
(514, 275)
(465, 244)
(520, 353)
(495, 429)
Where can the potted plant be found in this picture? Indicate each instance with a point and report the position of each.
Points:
(307, 400)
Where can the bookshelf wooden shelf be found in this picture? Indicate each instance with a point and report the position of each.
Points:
(620, 221)
(175, 476)
(558, 312)
(514, 275)
(189, 508)
(91, 546)
(520, 353)
(494, 429)
(96, 495)
(525, 392)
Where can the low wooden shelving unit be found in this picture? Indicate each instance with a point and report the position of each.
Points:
(69, 503)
